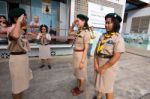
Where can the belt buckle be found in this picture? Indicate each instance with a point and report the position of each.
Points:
(103, 56)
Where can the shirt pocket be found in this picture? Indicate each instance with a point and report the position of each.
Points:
(79, 39)
(109, 45)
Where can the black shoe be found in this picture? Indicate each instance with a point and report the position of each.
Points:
(42, 66)
(94, 97)
(49, 66)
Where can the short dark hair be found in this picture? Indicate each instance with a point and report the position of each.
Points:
(82, 17)
(6, 22)
(43, 25)
(86, 25)
(2, 16)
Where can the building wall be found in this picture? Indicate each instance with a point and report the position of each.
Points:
(81, 6)
(124, 27)
(147, 1)
(53, 19)
(136, 13)
(57, 19)
(133, 38)
(44, 18)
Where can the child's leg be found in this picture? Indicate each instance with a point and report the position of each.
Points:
(48, 64)
(42, 63)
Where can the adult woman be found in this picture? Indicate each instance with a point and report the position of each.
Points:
(20, 71)
(81, 43)
(3, 24)
(44, 49)
(107, 54)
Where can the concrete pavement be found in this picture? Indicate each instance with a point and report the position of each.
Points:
(133, 80)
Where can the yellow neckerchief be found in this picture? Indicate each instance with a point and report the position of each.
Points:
(79, 31)
(78, 34)
(101, 45)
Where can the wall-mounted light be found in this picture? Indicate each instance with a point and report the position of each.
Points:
(46, 6)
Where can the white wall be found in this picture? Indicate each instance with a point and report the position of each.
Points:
(124, 27)
(72, 12)
(147, 1)
(63, 20)
(122, 14)
(136, 13)
(3, 9)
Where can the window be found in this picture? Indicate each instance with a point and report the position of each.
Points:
(3, 10)
(140, 24)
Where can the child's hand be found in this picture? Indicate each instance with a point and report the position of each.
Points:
(21, 18)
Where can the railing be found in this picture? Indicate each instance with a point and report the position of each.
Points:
(56, 39)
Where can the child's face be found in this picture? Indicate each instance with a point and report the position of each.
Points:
(43, 30)
(2, 19)
(109, 24)
(80, 23)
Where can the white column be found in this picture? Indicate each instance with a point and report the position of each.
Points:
(148, 46)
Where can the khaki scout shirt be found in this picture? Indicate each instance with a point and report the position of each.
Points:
(113, 45)
(16, 45)
(82, 38)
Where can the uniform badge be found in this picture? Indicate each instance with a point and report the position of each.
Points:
(80, 36)
(110, 42)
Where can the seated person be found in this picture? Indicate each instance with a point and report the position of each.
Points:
(34, 25)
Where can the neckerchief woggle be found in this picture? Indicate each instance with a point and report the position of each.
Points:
(102, 43)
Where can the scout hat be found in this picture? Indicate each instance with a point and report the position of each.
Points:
(83, 17)
(113, 15)
(15, 13)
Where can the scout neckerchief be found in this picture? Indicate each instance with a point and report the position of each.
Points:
(77, 35)
(102, 43)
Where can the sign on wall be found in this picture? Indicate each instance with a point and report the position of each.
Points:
(122, 2)
(72, 11)
(96, 14)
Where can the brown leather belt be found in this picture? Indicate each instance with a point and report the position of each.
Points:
(101, 55)
(43, 44)
(17, 53)
(78, 50)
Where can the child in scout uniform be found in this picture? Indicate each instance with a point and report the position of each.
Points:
(44, 49)
(107, 54)
(81, 43)
(20, 71)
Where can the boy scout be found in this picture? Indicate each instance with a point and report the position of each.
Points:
(82, 39)
(107, 55)
(20, 71)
